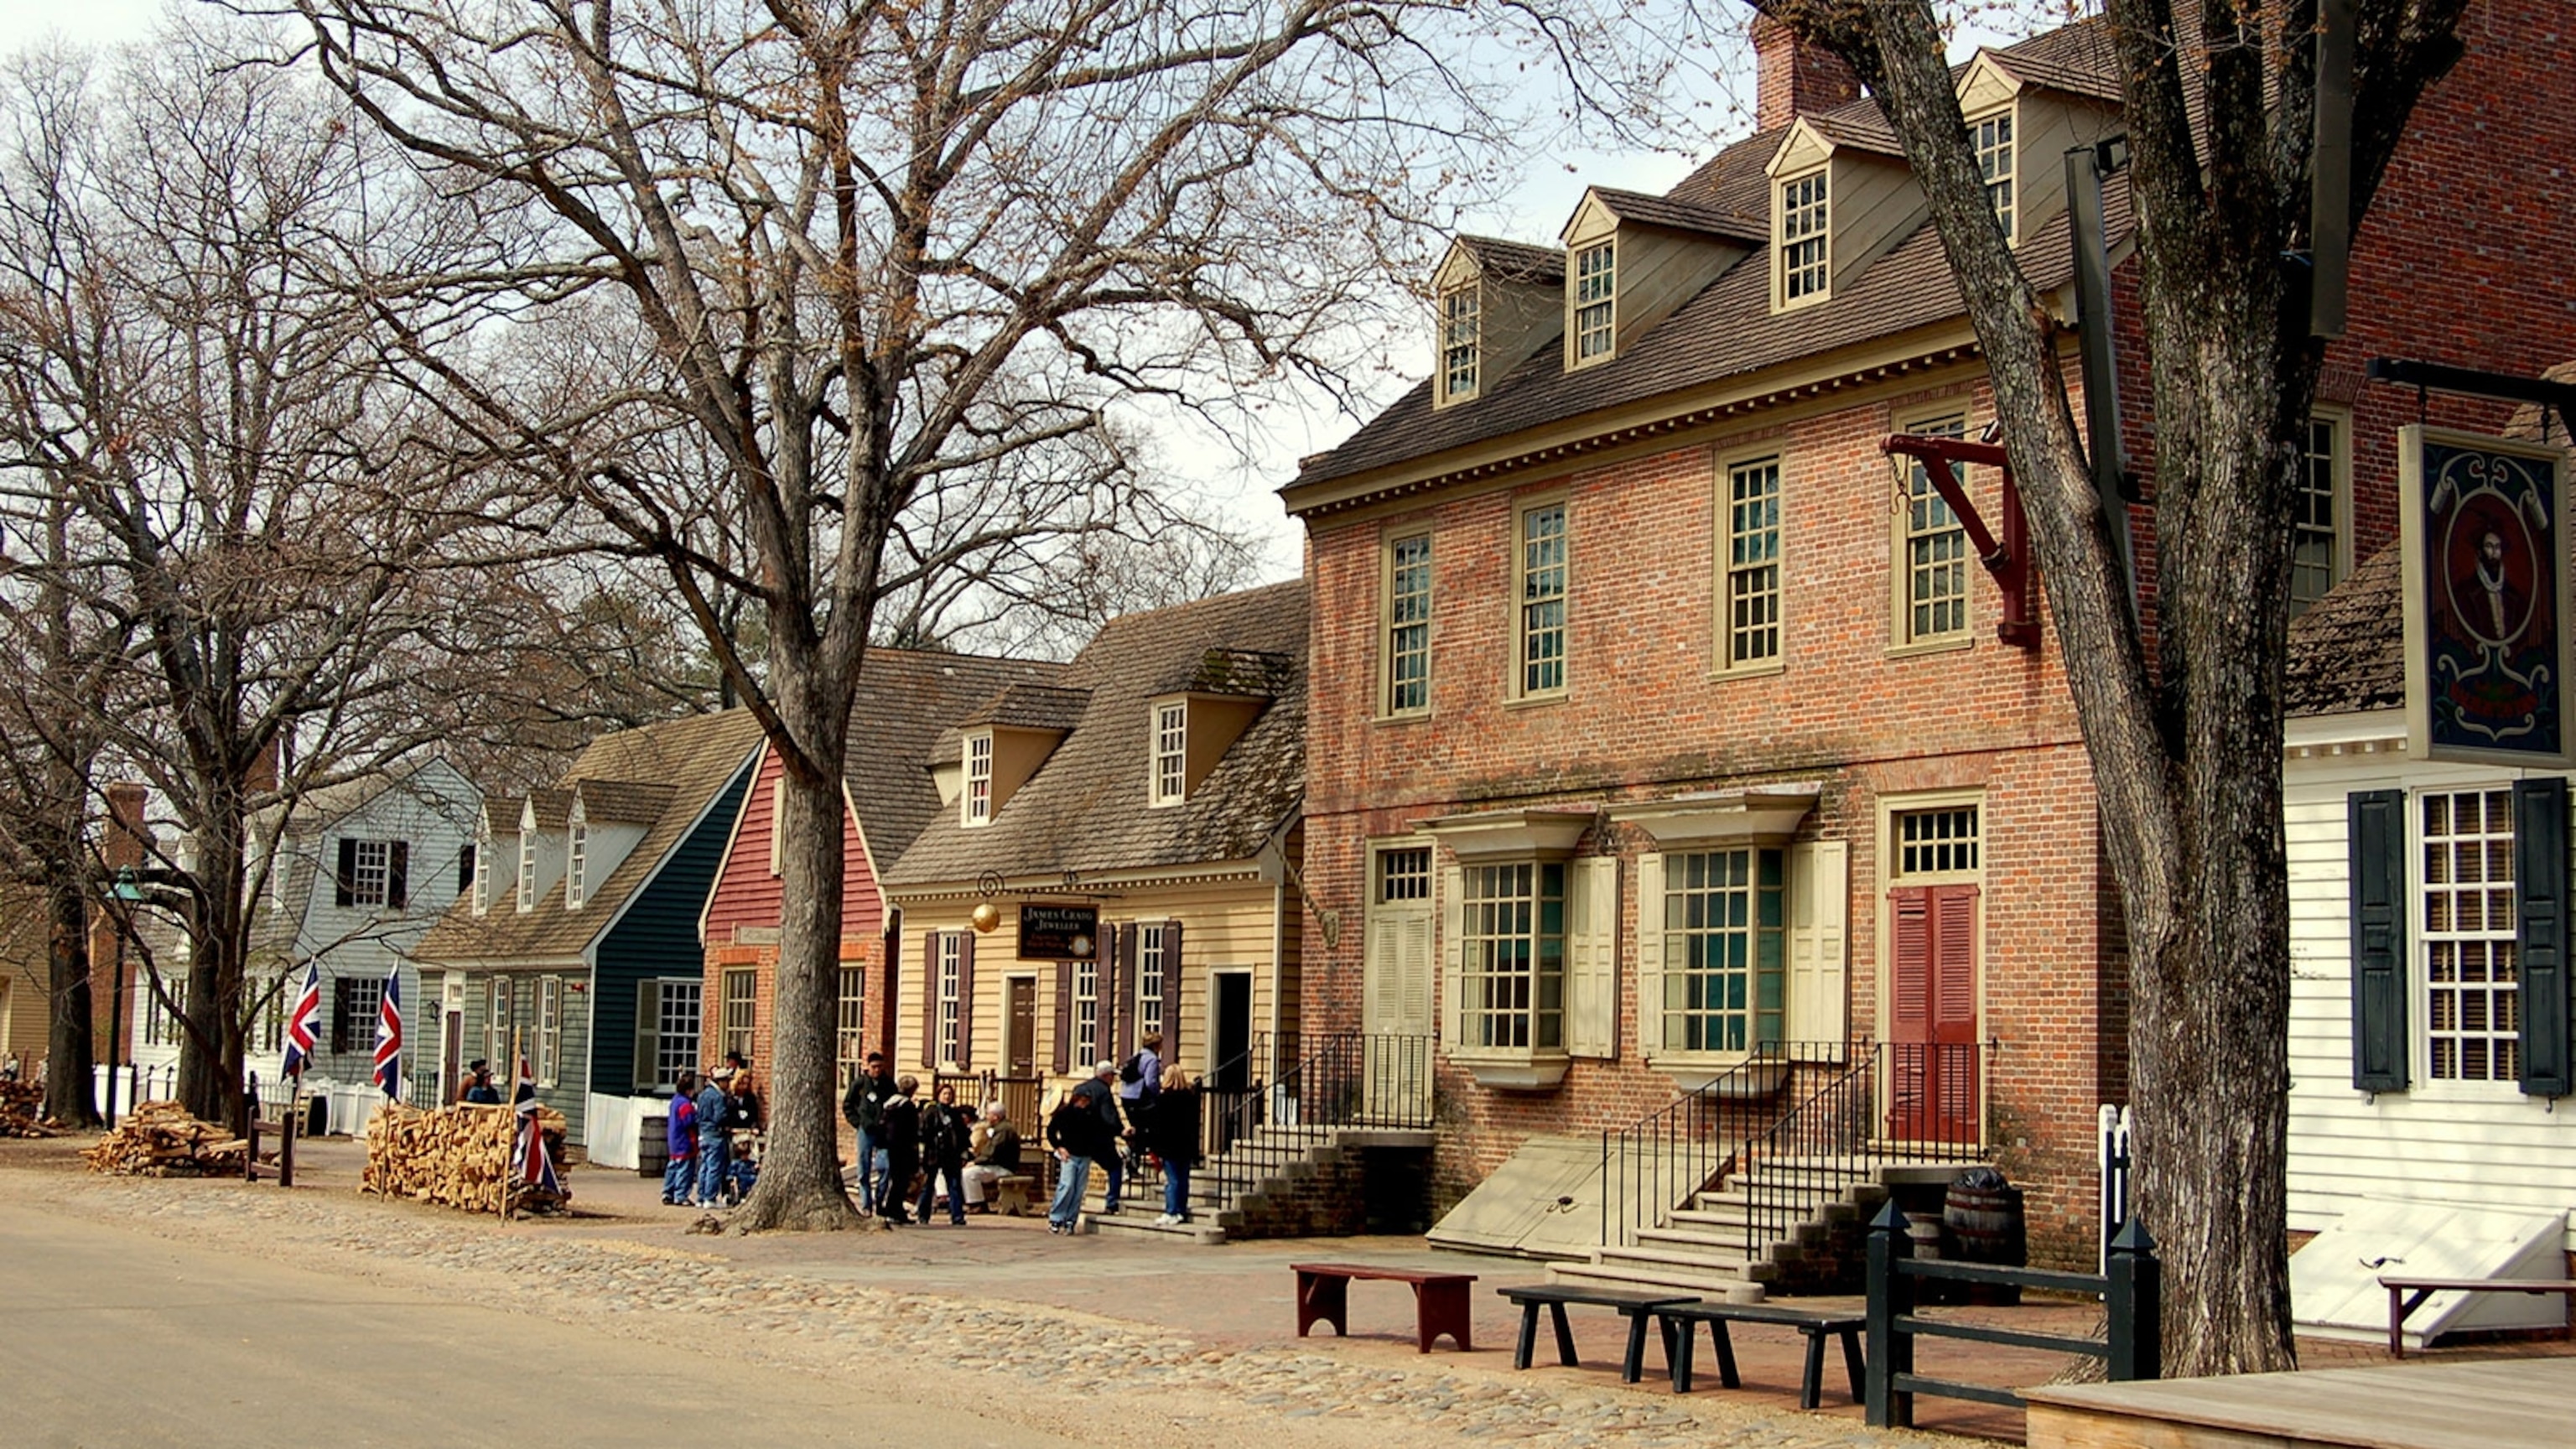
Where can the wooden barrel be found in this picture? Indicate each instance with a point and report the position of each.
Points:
(1985, 1226)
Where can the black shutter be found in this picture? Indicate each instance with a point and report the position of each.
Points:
(1171, 991)
(1063, 1017)
(344, 1007)
(342, 894)
(2377, 823)
(965, 1000)
(2540, 889)
(465, 869)
(398, 875)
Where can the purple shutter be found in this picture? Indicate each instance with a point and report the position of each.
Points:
(1063, 1017)
(1119, 994)
(965, 1000)
(932, 944)
(1171, 991)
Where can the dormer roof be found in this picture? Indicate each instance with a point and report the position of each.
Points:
(1030, 707)
(626, 802)
(1511, 261)
(1676, 215)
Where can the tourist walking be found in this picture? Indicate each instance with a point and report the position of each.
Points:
(1172, 1134)
(1101, 1097)
(900, 1128)
(680, 1135)
(715, 1139)
(943, 1156)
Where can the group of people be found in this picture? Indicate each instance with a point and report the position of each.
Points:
(710, 1164)
(911, 1154)
(1139, 1109)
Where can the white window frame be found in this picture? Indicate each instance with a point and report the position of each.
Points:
(1749, 583)
(1802, 245)
(1941, 855)
(1086, 1014)
(1525, 1024)
(1991, 138)
(1531, 676)
(679, 1017)
(548, 1065)
(850, 1022)
(1592, 291)
(1918, 528)
(1739, 1020)
(1169, 769)
(976, 802)
(2334, 460)
(499, 1022)
(1150, 969)
(2499, 1045)
(732, 1036)
(577, 862)
(1406, 887)
(527, 866)
(483, 872)
(371, 872)
(1461, 361)
(1406, 623)
(952, 1004)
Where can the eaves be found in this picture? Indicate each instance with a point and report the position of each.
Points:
(1035, 886)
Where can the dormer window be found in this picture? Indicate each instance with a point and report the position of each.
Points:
(1804, 261)
(1596, 286)
(979, 779)
(483, 870)
(1171, 752)
(1992, 137)
(1461, 313)
(577, 862)
(528, 860)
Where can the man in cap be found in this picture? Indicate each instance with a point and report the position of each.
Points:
(1100, 1096)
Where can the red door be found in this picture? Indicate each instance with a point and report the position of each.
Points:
(1932, 1021)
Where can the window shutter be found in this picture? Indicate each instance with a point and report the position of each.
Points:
(2376, 820)
(1954, 959)
(1453, 957)
(930, 970)
(342, 1008)
(1414, 972)
(1592, 997)
(1382, 975)
(648, 1011)
(343, 893)
(965, 1000)
(1909, 961)
(398, 875)
(464, 868)
(1171, 991)
(2540, 889)
(1819, 907)
(1118, 999)
(1650, 954)
(1063, 1017)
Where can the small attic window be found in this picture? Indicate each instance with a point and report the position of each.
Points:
(1460, 339)
(482, 857)
(1992, 136)
(577, 861)
(1804, 263)
(1596, 285)
(978, 802)
(1171, 752)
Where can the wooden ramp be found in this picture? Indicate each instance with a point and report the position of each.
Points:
(2526, 1403)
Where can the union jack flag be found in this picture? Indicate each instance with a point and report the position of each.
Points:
(304, 1022)
(530, 1163)
(389, 1038)
(524, 1100)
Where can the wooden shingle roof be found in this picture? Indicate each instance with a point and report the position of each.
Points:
(906, 698)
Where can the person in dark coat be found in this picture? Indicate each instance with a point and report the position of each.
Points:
(899, 1133)
(1172, 1134)
(1070, 1130)
(943, 1157)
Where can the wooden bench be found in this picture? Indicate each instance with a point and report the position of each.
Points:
(1635, 1305)
(1011, 1194)
(1679, 1333)
(1439, 1300)
(2405, 1295)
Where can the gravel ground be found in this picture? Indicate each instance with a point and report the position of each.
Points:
(1038, 1363)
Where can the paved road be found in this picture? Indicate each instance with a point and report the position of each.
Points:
(120, 1338)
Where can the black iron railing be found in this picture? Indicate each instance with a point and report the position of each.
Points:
(1326, 1085)
(1658, 1164)
(1890, 1104)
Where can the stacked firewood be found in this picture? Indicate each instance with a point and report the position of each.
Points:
(456, 1156)
(160, 1139)
(22, 1109)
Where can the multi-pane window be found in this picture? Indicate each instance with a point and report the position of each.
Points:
(1542, 603)
(1171, 752)
(481, 860)
(1725, 950)
(676, 1021)
(356, 1002)
(1935, 553)
(2315, 547)
(1458, 343)
(979, 779)
(549, 1033)
(577, 866)
(1937, 842)
(1752, 582)
(951, 1007)
(1404, 875)
(160, 1024)
(2472, 978)
(1151, 964)
(850, 1031)
(1408, 624)
(527, 867)
(500, 1037)
(1595, 305)
(1512, 973)
(1086, 1013)
(1802, 237)
(739, 989)
(1992, 137)
(371, 866)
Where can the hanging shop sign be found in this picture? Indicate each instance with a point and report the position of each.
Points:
(2487, 640)
(1059, 932)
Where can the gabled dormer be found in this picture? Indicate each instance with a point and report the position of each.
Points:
(1631, 260)
(605, 822)
(543, 818)
(1841, 198)
(1193, 718)
(1494, 300)
(1002, 744)
(496, 848)
(2023, 116)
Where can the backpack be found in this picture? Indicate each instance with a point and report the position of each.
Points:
(1133, 1071)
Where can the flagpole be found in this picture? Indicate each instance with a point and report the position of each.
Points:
(286, 1137)
(509, 1202)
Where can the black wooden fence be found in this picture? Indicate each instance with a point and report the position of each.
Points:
(2131, 1293)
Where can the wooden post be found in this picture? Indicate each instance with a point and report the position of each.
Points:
(286, 1134)
(2133, 1300)
(1891, 1296)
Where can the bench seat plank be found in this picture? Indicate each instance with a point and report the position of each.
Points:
(2406, 1294)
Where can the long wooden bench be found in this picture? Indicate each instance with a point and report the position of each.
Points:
(2405, 1295)
(1679, 1333)
(1635, 1305)
(1439, 1300)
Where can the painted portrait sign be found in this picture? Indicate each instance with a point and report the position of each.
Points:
(2486, 598)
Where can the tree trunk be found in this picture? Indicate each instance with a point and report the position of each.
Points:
(70, 1050)
(212, 1032)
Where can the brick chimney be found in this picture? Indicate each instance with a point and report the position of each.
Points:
(128, 840)
(1794, 77)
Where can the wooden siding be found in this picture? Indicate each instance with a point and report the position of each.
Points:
(1661, 270)
(2481, 1145)
(1873, 205)
(746, 893)
(658, 936)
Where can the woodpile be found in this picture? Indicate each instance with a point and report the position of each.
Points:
(160, 1139)
(22, 1109)
(457, 1156)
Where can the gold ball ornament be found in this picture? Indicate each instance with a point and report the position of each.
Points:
(987, 916)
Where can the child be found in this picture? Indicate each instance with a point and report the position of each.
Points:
(746, 1172)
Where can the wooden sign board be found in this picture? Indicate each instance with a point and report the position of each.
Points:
(2487, 638)
(1059, 932)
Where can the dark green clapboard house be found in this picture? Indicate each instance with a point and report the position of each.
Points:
(577, 944)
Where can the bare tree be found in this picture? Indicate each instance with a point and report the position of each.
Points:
(869, 250)
(2220, 102)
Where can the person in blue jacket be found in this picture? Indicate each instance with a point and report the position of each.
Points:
(715, 1138)
(681, 1135)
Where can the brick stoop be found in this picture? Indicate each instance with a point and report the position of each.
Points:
(1312, 1187)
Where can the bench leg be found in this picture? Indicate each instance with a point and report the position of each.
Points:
(1323, 1298)
(1564, 1337)
(2396, 1323)
(1443, 1308)
(1726, 1373)
(1854, 1367)
(1529, 1336)
(1632, 1364)
(1679, 1355)
(1811, 1383)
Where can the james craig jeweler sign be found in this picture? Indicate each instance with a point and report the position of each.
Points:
(2487, 642)
(1059, 933)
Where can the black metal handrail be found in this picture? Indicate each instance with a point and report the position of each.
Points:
(1658, 1163)
(1891, 1104)
(1329, 1083)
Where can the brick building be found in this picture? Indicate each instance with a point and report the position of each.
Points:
(1664, 739)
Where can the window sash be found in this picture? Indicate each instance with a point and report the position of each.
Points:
(577, 865)
(1460, 338)
(1086, 1014)
(1543, 596)
(1513, 964)
(527, 869)
(1803, 237)
(979, 778)
(1408, 628)
(1752, 600)
(370, 872)
(2468, 909)
(1725, 950)
(678, 1016)
(1942, 841)
(1936, 548)
(1595, 300)
(741, 988)
(850, 1020)
(549, 1033)
(2316, 525)
(1171, 752)
(952, 948)
(1992, 136)
(498, 1048)
(1404, 875)
(1149, 981)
